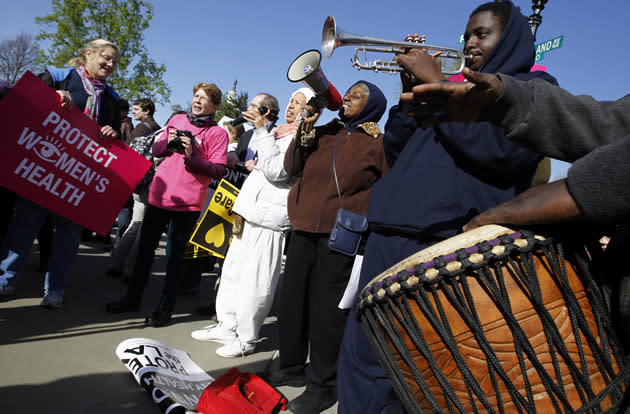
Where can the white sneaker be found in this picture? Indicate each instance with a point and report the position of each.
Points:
(235, 349)
(52, 300)
(215, 333)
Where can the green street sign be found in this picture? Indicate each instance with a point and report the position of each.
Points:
(541, 48)
(547, 46)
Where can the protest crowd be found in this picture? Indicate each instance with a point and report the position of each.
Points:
(330, 207)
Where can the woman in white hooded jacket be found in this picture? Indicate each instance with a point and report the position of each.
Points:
(253, 262)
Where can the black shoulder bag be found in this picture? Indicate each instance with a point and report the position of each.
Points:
(349, 227)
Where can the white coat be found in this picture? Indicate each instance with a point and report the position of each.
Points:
(263, 197)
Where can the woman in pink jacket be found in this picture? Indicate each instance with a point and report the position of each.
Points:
(194, 148)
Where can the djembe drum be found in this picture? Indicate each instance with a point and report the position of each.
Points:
(494, 320)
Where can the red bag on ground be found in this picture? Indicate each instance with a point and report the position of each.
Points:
(237, 392)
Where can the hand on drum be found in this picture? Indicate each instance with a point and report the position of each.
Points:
(544, 204)
(459, 101)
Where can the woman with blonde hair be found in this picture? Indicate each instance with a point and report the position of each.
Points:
(84, 86)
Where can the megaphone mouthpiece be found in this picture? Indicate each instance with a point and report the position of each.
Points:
(306, 69)
(304, 65)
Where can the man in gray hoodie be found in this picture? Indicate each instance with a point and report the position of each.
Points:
(593, 135)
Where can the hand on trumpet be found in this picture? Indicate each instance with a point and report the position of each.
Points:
(406, 78)
(421, 67)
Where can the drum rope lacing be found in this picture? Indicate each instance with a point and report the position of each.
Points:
(420, 285)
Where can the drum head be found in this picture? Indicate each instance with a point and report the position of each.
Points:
(461, 241)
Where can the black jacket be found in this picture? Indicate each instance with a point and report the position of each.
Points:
(69, 80)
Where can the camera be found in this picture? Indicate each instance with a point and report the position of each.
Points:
(240, 119)
(175, 145)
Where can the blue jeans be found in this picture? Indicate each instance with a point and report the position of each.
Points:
(124, 218)
(181, 225)
(29, 219)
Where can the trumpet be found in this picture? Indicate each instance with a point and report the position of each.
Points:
(452, 61)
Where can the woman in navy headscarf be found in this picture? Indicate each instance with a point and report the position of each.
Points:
(315, 277)
(439, 179)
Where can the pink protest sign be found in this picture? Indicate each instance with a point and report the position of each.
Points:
(55, 157)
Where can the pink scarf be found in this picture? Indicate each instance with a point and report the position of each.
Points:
(93, 88)
(286, 129)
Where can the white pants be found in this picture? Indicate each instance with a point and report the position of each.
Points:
(248, 280)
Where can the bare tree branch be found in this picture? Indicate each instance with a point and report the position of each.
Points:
(17, 56)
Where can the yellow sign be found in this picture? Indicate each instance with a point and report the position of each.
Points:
(214, 231)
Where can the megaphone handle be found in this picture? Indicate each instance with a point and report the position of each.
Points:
(317, 102)
(296, 142)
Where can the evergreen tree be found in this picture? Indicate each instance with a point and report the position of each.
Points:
(232, 104)
(77, 22)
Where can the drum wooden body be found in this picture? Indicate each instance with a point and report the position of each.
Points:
(494, 320)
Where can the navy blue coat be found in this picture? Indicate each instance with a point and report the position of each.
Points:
(439, 179)
(68, 79)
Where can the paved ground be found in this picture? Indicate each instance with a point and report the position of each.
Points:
(63, 361)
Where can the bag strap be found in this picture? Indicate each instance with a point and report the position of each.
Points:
(150, 137)
(335, 169)
(148, 126)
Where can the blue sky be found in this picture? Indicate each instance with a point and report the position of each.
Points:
(254, 42)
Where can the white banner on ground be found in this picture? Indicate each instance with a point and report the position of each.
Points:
(169, 375)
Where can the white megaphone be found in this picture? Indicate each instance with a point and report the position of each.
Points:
(305, 68)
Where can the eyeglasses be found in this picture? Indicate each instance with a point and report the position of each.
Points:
(201, 97)
(109, 59)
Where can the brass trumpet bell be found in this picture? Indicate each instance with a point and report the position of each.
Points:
(452, 60)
